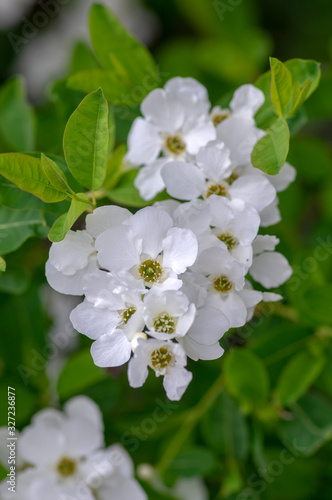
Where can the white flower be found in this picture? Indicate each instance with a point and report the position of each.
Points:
(269, 268)
(213, 174)
(64, 459)
(224, 281)
(107, 307)
(110, 474)
(202, 339)
(75, 256)
(169, 126)
(235, 225)
(175, 125)
(236, 127)
(149, 248)
(168, 314)
(167, 359)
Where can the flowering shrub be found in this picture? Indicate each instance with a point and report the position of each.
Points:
(170, 280)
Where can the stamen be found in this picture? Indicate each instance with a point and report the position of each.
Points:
(150, 270)
(175, 144)
(228, 239)
(220, 117)
(164, 324)
(217, 189)
(127, 314)
(222, 284)
(162, 358)
(66, 467)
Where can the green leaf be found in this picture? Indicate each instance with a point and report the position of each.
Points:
(297, 377)
(83, 59)
(16, 226)
(193, 462)
(2, 265)
(311, 426)
(114, 167)
(246, 378)
(26, 172)
(270, 152)
(55, 175)
(119, 52)
(317, 301)
(16, 116)
(302, 70)
(225, 429)
(79, 374)
(126, 193)
(85, 141)
(281, 87)
(14, 282)
(62, 225)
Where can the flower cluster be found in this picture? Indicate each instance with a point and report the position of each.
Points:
(61, 456)
(166, 283)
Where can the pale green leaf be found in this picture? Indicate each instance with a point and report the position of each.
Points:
(114, 167)
(281, 87)
(2, 265)
(26, 172)
(86, 141)
(54, 174)
(270, 152)
(62, 225)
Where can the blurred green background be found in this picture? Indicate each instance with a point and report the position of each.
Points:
(243, 441)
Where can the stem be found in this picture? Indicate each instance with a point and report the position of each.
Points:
(286, 312)
(189, 423)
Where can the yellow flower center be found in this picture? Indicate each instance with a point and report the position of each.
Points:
(161, 358)
(217, 189)
(228, 239)
(175, 144)
(127, 314)
(150, 270)
(66, 467)
(164, 324)
(220, 117)
(222, 284)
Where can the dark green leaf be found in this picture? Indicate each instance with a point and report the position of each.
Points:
(246, 378)
(297, 377)
(193, 462)
(317, 300)
(16, 116)
(225, 428)
(78, 374)
(18, 225)
(311, 426)
(14, 282)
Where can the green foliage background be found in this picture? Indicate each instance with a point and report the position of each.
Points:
(257, 423)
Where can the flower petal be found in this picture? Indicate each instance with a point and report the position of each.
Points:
(112, 349)
(71, 254)
(183, 181)
(151, 225)
(118, 248)
(93, 321)
(149, 181)
(144, 142)
(104, 218)
(176, 382)
(180, 249)
(270, 269)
